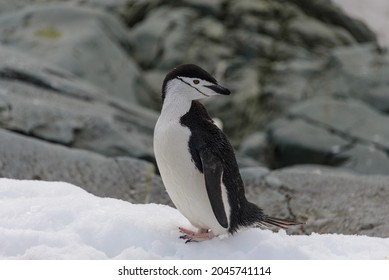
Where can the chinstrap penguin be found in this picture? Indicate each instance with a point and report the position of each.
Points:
(197, 163)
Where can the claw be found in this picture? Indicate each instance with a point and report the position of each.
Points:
(191, 236)
(190, 240)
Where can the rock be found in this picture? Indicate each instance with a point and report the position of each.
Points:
(297, 142)
(327, 200)
(349, 72)
(327, 12)
(263, 8)
(254, 175)
(276, 60)
(317, 35)
(289, 83)
(332, 132)
(248, 45)
(8, 6)
(212, 7)
(245, 161)
(125, 178)
(365, 159)
(89, 43)
(336, 202)
(254, 146)
(351, 117)
(210, 28)
(270, 53)
(214, 59)
(45, 102)
(160, 39)
(358, 72)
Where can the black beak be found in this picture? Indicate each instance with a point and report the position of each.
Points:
(219, 89)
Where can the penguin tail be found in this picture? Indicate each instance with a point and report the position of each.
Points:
(278, 222)
(254, 216)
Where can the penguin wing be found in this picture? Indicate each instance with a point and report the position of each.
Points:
(213, 171)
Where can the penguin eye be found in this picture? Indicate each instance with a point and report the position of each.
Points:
(196, 82)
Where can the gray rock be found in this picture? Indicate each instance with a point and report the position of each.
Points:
(290, 81)
(359, 72)
(327, 200)
(263, 189)
(365, 159)
(254, 175)
(355, 119)
(87, 42)
(210, 28)
(316, 34)
(250, 45)
(125, 178)
(298, 142)
(213, 7)
(333, 132)
(216, 54)
(155, 79)
(8, 6)
(245, 161)
(162, 38)
(327, 12)
(336, 202)
(255, 146)
(48, 103)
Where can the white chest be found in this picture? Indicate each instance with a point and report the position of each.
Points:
(172, 151)
(184, 183)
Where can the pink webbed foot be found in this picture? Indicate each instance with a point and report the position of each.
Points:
(191, 236)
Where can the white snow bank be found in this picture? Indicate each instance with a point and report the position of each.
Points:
(53, 220)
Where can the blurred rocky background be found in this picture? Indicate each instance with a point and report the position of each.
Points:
(80, 94)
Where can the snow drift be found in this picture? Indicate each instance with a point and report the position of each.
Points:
(55, 220)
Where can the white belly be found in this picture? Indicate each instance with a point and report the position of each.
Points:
(183, 182)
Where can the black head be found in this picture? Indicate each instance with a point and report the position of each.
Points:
(194, 78)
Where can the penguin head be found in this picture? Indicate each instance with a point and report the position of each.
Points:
(191, 81)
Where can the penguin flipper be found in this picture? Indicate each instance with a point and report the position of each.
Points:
(213, 171)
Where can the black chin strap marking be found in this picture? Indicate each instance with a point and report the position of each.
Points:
(193, 87)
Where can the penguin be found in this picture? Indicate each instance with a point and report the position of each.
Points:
(197, 163)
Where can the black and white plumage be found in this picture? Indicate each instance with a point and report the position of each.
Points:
(197, 163)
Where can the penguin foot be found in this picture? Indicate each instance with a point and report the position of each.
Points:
(191, 236)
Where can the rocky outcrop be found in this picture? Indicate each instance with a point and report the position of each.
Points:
(120, 177)
(345, 133)
(327, 200)
(89, 43)
(43, 101)
(247, 45)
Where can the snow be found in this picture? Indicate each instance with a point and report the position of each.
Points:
(56, 220)
(375, 13)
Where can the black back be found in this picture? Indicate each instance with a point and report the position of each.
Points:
(205, 135)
